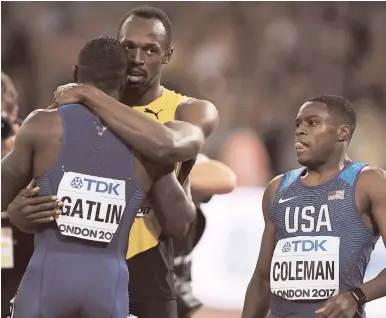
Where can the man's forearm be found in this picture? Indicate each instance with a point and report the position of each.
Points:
(375, 288)
(176, 219)
(145, 135)
(173, 205)
(257, 299)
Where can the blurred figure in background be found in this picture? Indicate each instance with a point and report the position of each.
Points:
(207, 178)
(16, 246)
(7, 136)
(246, 155)
(9, 106)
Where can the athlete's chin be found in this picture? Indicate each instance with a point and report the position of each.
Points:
(302, 160)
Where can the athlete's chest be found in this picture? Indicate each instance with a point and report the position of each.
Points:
(160, 113)
(319, 210)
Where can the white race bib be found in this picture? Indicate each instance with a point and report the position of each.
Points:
(145, 212)
(93, 206)
(306, 267)
(6, 248)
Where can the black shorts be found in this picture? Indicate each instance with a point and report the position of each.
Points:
(154, 309)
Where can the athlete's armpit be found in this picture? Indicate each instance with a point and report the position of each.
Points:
(257, 299)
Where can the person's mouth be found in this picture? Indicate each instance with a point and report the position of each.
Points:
(301, 146)
(135, 75)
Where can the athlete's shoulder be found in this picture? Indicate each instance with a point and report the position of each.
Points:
(371, 185)
(191, 102)
(39, 114)
(35, 126)
(40, 118)
(371, 176)
(288, 178)
(198, 112)
(275, 182)
(187, 103)
(273, 186)
(40, 122)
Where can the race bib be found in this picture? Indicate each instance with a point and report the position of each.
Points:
(306, 268)
(6, 248)
(93, 206)
(145, 212)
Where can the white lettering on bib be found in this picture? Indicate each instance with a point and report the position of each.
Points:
(93, 206)
(145, 212)
(306, 267)
(6, 248)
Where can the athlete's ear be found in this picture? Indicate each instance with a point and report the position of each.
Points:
(344, 133)
(75, 73)
(168, 55)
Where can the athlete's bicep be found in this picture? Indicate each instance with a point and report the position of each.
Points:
(195, 122)
(258, 295)
(267, 245)
(377, 194)
(17, 166)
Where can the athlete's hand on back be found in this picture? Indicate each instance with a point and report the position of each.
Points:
(28, 210)
(67, 94)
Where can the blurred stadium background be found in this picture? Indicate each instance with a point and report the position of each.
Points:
(257, 62)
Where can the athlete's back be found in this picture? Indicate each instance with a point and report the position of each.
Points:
(85, 251)
(322, 245)
(102, 185)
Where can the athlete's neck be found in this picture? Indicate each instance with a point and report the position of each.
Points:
(140, 96)
(330, 169)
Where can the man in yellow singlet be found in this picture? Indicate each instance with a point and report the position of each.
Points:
(162, 125)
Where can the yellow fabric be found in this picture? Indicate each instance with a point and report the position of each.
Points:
(145, 232)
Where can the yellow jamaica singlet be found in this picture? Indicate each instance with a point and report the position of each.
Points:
(145, 232)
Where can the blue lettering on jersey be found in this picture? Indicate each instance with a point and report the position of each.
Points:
(99, 186)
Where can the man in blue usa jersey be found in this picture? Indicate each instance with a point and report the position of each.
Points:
(321, 224)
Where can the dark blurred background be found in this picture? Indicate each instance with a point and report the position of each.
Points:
(257, 61)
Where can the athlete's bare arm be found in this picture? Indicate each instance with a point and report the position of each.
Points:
(36, 147)
(173, 207)
(212, 177)
(176, 141)
(373, 181)
(372, 200)
(258, 296)
(17, 166)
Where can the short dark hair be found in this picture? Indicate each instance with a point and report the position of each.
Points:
(148, 12)
(339, 106)
(103, 62)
